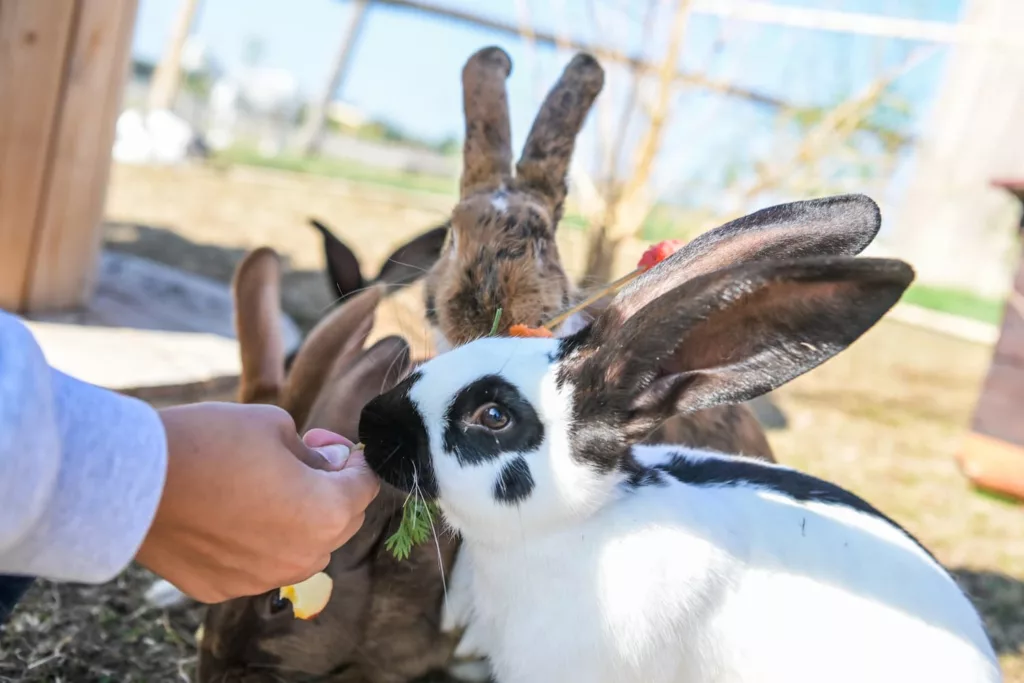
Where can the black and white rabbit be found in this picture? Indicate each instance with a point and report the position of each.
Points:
(588, 558)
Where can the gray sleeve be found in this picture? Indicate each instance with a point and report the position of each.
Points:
(81, 468)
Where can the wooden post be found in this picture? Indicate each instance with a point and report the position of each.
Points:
(311, 134)
(167, 76)
(992, 456)
(62, 70)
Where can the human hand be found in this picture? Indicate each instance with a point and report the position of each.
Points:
(248, 506)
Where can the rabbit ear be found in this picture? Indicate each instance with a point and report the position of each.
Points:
(413, 259)
(338, 336)
(487, 152)
(544, 164)
(726, 337)
(834, 226)
(353, 382)
(257, 293)
(342, 265)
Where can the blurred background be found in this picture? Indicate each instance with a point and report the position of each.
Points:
(240, 119)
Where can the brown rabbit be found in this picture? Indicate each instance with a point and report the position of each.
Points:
(501, 250)
(382, 622)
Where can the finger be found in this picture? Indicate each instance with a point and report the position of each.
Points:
(317, 437)
(335, 448)
(329, 457)
(356, 485)
(290, 438)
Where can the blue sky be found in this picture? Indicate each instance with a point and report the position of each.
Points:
(407, 65)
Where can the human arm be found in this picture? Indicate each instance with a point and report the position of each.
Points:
(222, 500)
(81, 468)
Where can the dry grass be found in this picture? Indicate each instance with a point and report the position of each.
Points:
(883, 419)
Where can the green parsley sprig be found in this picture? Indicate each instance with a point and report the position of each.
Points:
(417, 522)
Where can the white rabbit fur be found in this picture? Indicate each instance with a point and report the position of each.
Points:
(667, 565)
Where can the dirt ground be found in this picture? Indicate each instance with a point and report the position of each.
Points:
(883, 419)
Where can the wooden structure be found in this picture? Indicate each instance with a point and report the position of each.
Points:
(63, 64)
(992, 456)
(110, 319)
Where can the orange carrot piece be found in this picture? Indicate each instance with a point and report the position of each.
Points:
(526, 331)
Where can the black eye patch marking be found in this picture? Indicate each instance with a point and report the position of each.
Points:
(472, 445)
(397, 446)
(515, 483)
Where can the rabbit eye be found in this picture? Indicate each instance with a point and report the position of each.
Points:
(492, 416)
(278, 604)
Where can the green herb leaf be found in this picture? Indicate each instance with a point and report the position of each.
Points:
(494, 326)
(417, 523)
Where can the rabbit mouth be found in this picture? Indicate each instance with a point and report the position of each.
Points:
(396, 443)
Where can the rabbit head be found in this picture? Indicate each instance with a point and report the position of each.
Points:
(527, 435)
(501, 250)
(366, 633)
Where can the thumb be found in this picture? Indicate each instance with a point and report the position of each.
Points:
(357, 482)
(332, 449)
(320, 449)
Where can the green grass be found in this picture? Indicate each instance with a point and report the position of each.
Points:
(956, 302)
(343, 169)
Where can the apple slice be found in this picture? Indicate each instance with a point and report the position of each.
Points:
(309, 597)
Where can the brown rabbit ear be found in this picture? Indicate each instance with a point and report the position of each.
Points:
(412, 260)
(341, 334)
(543, 167)
(843, 225)
(354, 382)
(257, 293)
(342, 264)
(487, 152)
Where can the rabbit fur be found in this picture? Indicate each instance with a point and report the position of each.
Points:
(586, 557)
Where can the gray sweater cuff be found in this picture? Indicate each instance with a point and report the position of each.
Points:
(89, 510)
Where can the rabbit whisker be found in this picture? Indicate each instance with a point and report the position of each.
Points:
(408, 265)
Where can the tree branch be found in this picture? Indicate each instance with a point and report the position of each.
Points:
(606, 54)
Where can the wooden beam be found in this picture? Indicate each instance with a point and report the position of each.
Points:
(68, 232)
(167, 76)
(838, 21)
(312, 131)
(34, 35)
(636, 63)
(62, 69)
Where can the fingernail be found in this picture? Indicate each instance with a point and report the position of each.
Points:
(335, 454)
